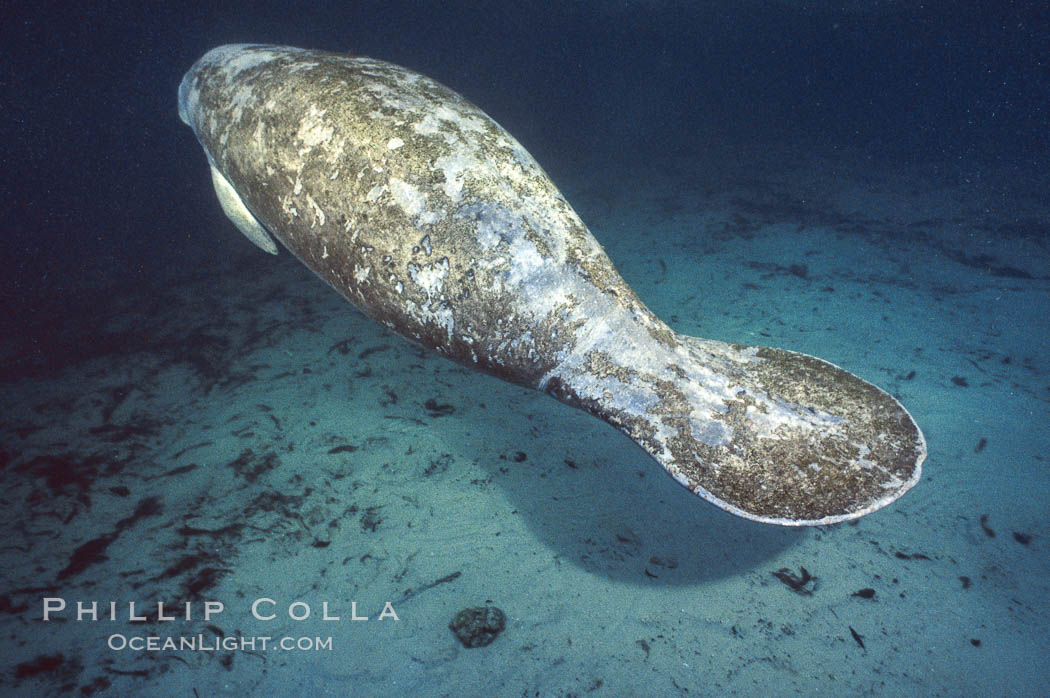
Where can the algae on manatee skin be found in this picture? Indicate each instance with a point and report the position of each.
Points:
(477, 627)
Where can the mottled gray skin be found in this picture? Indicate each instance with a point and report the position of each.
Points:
(425, 214)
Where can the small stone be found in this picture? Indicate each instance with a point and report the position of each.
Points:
(477, 627)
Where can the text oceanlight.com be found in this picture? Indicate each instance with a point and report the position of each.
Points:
(202, 643)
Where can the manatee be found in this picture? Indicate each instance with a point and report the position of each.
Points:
(424, 213)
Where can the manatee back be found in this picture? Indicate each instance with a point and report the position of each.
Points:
(406, 198)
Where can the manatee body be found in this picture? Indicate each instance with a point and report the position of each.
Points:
(425, 214)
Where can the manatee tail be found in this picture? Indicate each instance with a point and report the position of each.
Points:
(767, 434)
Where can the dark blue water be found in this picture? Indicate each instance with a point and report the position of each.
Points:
(189, 420)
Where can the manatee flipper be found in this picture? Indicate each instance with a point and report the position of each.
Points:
(238, 213)
(425, 214)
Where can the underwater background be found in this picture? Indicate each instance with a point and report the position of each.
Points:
(188, 420)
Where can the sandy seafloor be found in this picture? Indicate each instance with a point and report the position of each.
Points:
(241, 432)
